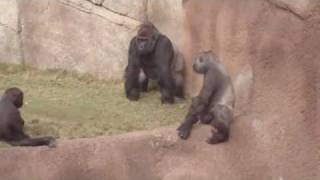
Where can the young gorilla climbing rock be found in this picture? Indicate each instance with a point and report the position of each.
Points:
(215, 102)
(11, 122)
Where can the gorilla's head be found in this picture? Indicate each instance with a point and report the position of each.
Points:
(202, 62)
(15, 95)
(146, 38)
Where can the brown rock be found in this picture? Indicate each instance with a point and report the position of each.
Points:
(268, 51)
(135, 9)
(75, 35)
(10, 47)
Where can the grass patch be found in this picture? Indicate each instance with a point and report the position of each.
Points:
(68, 105)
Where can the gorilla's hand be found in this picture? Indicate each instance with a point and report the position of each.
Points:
(184, 130)
(216, 138)
(52, 142)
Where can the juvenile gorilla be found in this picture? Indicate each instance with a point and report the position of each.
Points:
(151, 56)
(215, 102)
(11, 122)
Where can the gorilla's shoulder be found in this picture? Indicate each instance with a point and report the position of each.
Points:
(165, 40)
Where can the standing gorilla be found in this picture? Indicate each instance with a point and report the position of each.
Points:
(177, 70)
(151, 54)
(11, 122)
(215, 102)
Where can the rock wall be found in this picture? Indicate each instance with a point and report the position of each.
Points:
(80, 35)
(276, 43)
(271, 49)
(10, 47)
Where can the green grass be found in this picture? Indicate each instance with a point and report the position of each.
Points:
(68, 105)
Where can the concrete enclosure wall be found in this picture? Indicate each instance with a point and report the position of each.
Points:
(85, 36)
(10, 47)
(271, 50)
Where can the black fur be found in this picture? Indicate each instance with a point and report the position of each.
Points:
(11, 122)
(215, 102)
(151, 54)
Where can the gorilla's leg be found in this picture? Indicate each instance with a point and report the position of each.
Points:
(184, 130)
(222, 119)
(208, 115)
(41, 141)
(144, 85)
(132, 83)
(166, 96)
(206, 118)
(166, 88)
(166, 91)
(19, 138)
(143, 82)
(179, 86)
(196, 109)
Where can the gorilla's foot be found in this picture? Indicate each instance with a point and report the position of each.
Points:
(206, 119)
(217, 138)
(167, 100)
(184, 131)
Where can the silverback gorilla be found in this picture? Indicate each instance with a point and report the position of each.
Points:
(215, 102)
(151, 54)
(11, 122)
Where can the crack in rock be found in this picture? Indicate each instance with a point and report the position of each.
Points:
(8, 27)
(97, 2)
(88, 7)
(300, 13)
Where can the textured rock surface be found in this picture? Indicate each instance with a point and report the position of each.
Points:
(300, 9)
(279, 50)
(273, 57)
(86, 36)
(135, 9)
(75, 35)
(9, 33)
(168, 15)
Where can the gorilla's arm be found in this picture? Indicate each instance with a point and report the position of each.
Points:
(207, 90)
(198, 106)
(132, 74)
(201, 102)
(16, 127)
(164, 58)
(41, 141)
(19, 138)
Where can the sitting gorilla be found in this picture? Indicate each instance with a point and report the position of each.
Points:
(151, 56)
(11, 122)
(215, 102)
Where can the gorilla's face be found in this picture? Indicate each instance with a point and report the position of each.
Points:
(144, 45)
(15, 95)
(146, 39)
(203, 61)
(201, 64)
